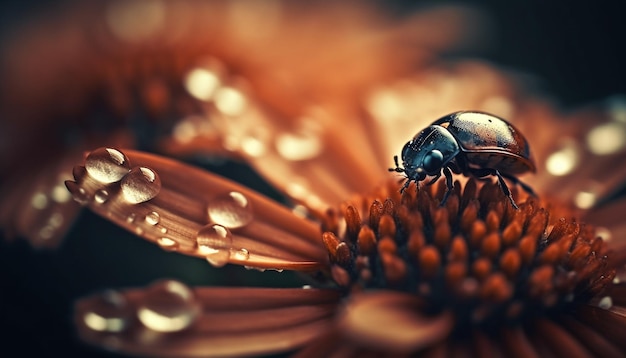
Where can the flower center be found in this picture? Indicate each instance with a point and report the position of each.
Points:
(477, 255)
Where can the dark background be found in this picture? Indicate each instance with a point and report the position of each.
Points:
(575, 48)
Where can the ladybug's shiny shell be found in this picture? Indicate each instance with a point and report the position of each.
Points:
(469, 143)
(489, 142)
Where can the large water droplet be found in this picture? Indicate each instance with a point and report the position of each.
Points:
(167, 244)
(101, 196)
(107, 165)
(215, 242)
(169, 306)
(232, 210)
(153, 218)
(109, 313)
(140, 184)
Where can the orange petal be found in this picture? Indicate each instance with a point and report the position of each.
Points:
(393, 321)
(194, 212)
(170, 320)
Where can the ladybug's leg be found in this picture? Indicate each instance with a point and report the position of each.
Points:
(405, 185)
(449, 185)
(505, 188)
(524, 186)
(433, 180)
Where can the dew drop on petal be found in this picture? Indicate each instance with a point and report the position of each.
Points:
(232, 210)
(39, 201)
(298, 147)
(585, 199)
(101, 196)
(230, 101)
(131, 218)
(241, 255)
(214, 243)
(603, 233)
(168, 306)
(167, 244)
(79, 194)
(202, 83)
(153, 218)
(563, 161)
(107, 165)
(109, 313)
(60, 194)
(605, 302)
(140, 185)
(607, 138)
(302, 144)
(300, 211)
(254, 144)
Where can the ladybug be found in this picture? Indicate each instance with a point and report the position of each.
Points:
(469, 143)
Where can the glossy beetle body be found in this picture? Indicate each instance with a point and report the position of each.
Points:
(469, 143)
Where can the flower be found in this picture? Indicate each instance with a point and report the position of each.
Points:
(406, 276)
(398, 274)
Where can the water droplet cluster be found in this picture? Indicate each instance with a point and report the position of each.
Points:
(108, 166)
(167, 306)
(214, 241)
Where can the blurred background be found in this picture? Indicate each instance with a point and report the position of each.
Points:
(574, 49)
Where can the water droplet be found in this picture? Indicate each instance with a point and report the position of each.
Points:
(131, 218)
(230, 101)
(232, 210)
(60, 194)
(140, 185)
(46, 232)
(39, 201)
(307, 287)
(302, 144)
(384, 104)
(167, 244)
(215, 242)
(101, 196)
(79, 194)
(603, 233)
(606, 302)
(202, 83)
(241, 255)
(253, 145)
(56, 220)
(153, 218)
(107, 165)
(260, 269)
(608, 138)
(300, 211)
(564, 160)
(109, 312)
(168, 306)
(163, 230)
(585, 199)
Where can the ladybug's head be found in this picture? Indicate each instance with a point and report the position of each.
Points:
(428, 152)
